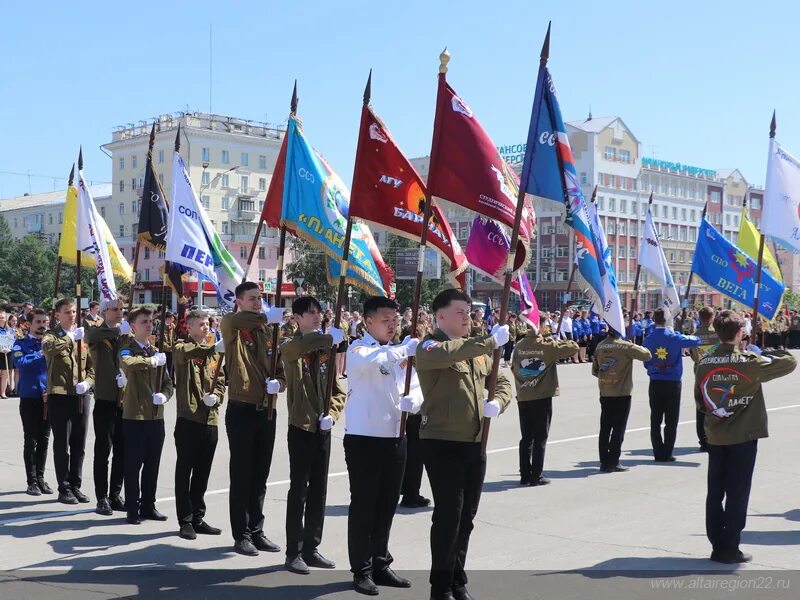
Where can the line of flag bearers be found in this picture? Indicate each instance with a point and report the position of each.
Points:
(118, 361)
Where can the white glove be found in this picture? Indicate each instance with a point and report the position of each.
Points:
(408, 405)
(273, 386)
(721, 412)
(411, 345)
(122, 381)
(124, 328)
(491, 409)
(337, 335)
(220, 346)
(209, 400)
(500, 335)
(274, 315)
(325, 422)
(159, 399)
(754, 348)
(82, 387)
(76, 334)
(159, 359)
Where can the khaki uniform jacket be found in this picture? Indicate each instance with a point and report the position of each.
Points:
(89, 321)
(104, 345)
(534, 365)
(708, 339)
(248, 352)
(137, 400)
(477, 328)
(194, 372)
(730, 382)
(305, 362)
(612, 364)
(61, 356)
(452, 375)
(169, 339)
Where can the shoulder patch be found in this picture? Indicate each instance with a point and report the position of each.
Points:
(125, 352)
(17, 353)
(429, 345)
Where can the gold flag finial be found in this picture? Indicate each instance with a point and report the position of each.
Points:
(444, 58)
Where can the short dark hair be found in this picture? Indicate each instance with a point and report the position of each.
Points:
(195, 314)
(304, 303)
(374, 303)
(64, 302)
(245, 287)
(660, 316)
(706, 314)
(134, 314)
(727, 324)
(93, 304)
(169, 315)
(39, 312)
(445, 297)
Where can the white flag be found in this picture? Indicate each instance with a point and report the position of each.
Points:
(91, 241)
(611, 309)
(780, 216)
(652, 258)
(192, 241)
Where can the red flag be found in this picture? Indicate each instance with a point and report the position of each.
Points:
(467, 169)
(388, 191)
(271, 213)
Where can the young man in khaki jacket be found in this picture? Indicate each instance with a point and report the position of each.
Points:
(708, 339)
(305, 360)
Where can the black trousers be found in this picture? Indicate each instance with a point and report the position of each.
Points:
(143, 441)
(665, 406)
(534, 425)
(456, 471)
(614, 411)
(309, 456)
(730, 473)
(251, 439)
(169, 366)
(794, 339)
(508, 350)
(375, 468)
(195, 444)
(412, 478)
(700, 427)
(36, 437)
(107, 417)
(69, 418)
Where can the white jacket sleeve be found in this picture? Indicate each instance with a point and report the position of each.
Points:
(372, 358)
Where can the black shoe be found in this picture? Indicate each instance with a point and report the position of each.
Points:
(297, 565)
(703, 448)
(389, 578)
(665, 459)
(315, 559)
(204, 528)
(103, 508)
(263, 543)
(82, 498)
(33, 490)
(117, 504)
(619, 469)
(363, 584)
(133, 517)
(461, 593)
(448, 595)
(732, 558)
(540, 481)
(245, 547)
(152, 514)
(44, 488)
(524, 481)
(187, 532)
(606, 469)
(418, 502)
(67, 497)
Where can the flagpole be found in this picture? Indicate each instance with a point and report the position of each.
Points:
(635, 299)
(78, 293)
(512, 252)
(772, 127)
(136, 248)
(691, 273)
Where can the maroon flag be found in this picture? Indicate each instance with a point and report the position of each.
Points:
(271, 214)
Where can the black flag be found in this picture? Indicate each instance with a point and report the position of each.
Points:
(154, 215)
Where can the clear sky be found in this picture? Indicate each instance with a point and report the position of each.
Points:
(695, 81)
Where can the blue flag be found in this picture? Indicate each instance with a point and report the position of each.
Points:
(727, 269)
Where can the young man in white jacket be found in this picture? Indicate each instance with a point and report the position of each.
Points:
(374, 451)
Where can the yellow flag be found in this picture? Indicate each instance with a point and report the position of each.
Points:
(748, 241)
(67, 246)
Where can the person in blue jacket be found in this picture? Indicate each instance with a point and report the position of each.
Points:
(648, 325)
(638, 330)
(28, 358)
(583, 333)
(596, 326)
(665, 369)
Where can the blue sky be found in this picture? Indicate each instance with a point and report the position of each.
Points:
(695, 83)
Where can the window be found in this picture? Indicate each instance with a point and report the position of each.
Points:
(262, 184)
(663, 185)
(226, 203)
(601, 202)
(122, 231)
(612, 180)
(262, 274)
(634, 206)
(121, 185)
(610, 153)
(133, 183)
(674, 213)
(755, 202)
(683, 234)
(622, 276)
(226, 181)
(735, 220)
(243, 252)
(612, 205)
(547, 252)
(625, 156)
(683, 214)
(206, 155)
(612, 228)
(633, 229)
(245, 159)
(224, 227)
(262, 254)
(146, 253)
(693, 215)
(244, 183)
(205, 201)
(122, 208)
(205, 179)
(134, 161)
(160, 157)
(262, 161)
(60, 217)
(134, 208)
(611, 251)
(715, 196)
(583, 178)
(561, 275)
(623, 251)
(226, 157)
(121, 163)
(561, 251)
(623, 205)
(727, 220)
(622, 228)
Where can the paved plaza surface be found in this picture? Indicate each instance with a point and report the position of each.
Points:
(587, 535)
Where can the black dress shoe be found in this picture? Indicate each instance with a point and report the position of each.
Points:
(44, 488)
(461, 593)
(187, 532)
(363, 584)
(117, 504)
(103, 508)
(206, 529)
(389, 578)
(620, 469)
(133, 517)
(33, 490)
(606, 469)
(245, 547)
(448, 595)
(67, 497)
(524, 480)
(418, 502)
(732, 558)
(315, 559)
(152, 514)
(82, 498)
(540, 481)
(296, 564)
(263, 543)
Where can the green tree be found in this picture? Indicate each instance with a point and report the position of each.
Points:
(309, 264)
(28, 270)
(6, 246)
(792, 300)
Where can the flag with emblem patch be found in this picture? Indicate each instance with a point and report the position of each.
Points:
(652, 258)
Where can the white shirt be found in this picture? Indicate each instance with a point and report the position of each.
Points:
(566, 325)
(376, 376)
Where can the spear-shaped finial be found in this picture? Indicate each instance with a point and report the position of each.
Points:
(178, 139)
(650, 200)
(293, 105)
(590, 113)
(152, 141)
(545, 47)
(80, 158)
(444, 58)
(71, 175)
(744, 200)
(772, 126)
(368, 89)
(594, 194)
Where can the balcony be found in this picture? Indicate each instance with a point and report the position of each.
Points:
(246, 208)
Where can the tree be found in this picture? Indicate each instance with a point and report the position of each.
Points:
(28, 271)
(792, 299)
(310, 265)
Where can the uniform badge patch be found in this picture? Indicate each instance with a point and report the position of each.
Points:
(429, 345)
